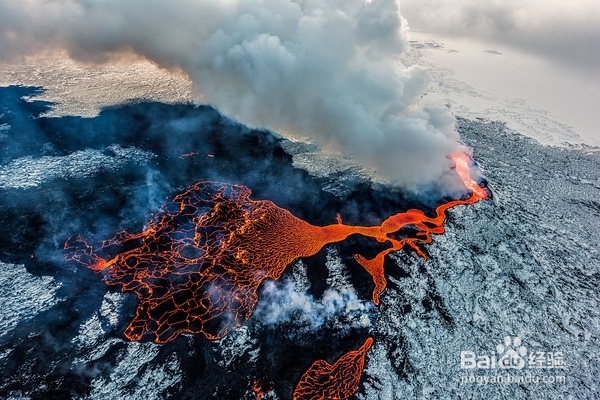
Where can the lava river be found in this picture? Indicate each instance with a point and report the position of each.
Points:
(198, 264)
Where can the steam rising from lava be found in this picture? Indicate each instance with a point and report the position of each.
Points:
(328, 70)
(198, 264)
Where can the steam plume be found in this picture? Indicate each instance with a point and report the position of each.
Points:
(284, 303)
(327, 70)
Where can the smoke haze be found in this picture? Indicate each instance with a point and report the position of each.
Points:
(327, 70)
(567, 31)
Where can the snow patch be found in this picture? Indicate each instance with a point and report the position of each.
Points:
(27, 172)
(134, 377)
(23, 295)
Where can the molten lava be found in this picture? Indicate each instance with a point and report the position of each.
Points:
(198, 265)
(333, 382)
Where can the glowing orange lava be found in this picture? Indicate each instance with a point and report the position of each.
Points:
(333, 382)
(260, 389)
(257, 390)
(190, 154)
(198, 265)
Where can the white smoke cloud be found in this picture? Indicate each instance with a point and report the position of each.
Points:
(327, 70)
(568, 31)
(281, 303)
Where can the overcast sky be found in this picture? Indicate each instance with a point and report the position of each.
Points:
(564, 30)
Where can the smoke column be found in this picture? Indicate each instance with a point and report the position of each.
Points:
(327, 70)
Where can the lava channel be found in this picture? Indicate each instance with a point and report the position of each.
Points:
(197, 266)
(333, 382)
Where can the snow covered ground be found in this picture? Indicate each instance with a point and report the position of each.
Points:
(525, 265)
(84, 89)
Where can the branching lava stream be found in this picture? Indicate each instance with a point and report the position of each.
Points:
(198, 264)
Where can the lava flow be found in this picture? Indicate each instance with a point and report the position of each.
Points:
(198, 265)
(260, 389)
(333, 382)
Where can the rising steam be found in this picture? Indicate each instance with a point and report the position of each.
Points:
(282, 303)
(327, 70)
